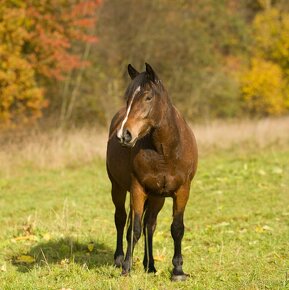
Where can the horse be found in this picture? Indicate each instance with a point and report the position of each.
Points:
(152, 154)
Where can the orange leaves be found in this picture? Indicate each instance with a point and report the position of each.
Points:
(21, 99)
(53, 28)
(86, 22)
(36, 42)
(83, 8)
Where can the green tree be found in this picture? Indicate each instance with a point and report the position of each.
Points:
(196, 46)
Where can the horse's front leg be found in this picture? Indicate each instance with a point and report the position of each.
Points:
(137, 200)
(118, 198)
(177, 231)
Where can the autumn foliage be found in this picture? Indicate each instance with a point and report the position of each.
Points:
(263, 88)
(64, 59)
(37, 40)
(265, 85)
(21, 98)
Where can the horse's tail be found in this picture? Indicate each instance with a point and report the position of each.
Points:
(129, 219)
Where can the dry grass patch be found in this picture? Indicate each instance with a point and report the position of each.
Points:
(59, 148)
(259, 133)
(52, 149)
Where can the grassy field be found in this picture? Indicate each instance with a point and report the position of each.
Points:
(57, 229)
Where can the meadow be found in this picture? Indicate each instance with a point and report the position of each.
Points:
(57, 224)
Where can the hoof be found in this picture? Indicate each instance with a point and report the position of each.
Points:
(182, 277)
(118, 261)
(125, 268)
(151, 270)
(124, 273)
(149, 267)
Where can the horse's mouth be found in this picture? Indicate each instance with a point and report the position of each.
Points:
(129, 144)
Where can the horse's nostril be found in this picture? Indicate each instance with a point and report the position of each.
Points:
(127, 136)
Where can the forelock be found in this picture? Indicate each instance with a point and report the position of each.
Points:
(141, 81)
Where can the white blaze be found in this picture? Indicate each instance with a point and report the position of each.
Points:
(120, 131)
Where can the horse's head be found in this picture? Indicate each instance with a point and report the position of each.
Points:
(143, 105)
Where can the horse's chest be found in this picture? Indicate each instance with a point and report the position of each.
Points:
(156, 175)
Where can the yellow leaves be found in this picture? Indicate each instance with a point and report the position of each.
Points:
(26, 259)
(262, 88)
(64, 262)
(212, 249)
(263, 229)
(271, 29)
(21, 99)
(3, 268)
(266, 27)
(24, 238)
(20, 96)
(46, 237)
(159, 258)
(277, 170)
(262, 172)
(90, 246)
(265, 85)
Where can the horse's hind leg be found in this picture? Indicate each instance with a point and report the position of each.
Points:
(118, 198)
(177, 231)
(154, 206)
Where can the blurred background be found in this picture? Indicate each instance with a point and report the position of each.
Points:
(63, 74)
(63, 62)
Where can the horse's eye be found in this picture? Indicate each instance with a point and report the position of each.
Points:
(148, 98)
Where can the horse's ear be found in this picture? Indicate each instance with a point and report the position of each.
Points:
(132, 71)
(152, 75)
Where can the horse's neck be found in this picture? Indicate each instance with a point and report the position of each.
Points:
(166, 135)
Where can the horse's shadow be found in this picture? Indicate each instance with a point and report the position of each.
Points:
(66, 251)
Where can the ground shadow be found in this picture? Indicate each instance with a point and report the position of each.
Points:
(68, 250)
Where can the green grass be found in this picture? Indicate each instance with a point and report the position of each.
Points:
(237, 227)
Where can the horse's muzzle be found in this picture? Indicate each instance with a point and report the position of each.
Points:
(125, 138)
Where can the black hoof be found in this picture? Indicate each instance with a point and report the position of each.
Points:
(149, 267)
(151, 270)
(182, 277)
(118, 261)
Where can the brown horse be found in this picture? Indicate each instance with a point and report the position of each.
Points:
(151, 153)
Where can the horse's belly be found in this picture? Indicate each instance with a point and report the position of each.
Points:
(155, 174)
(162, 184)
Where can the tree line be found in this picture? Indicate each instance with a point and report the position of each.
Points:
(65, 61)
